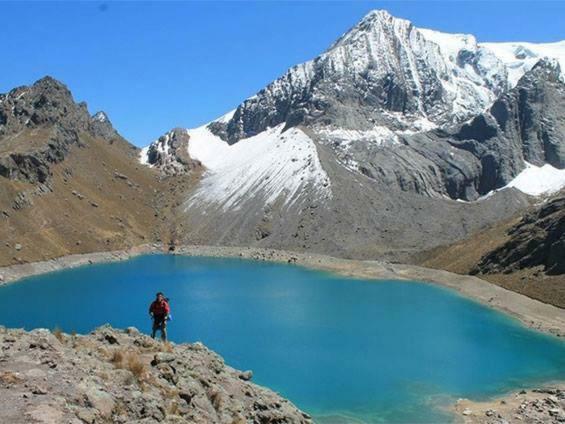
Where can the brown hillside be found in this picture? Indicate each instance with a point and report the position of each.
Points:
(514, 253)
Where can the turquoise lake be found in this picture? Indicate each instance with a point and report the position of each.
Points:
(342, 349)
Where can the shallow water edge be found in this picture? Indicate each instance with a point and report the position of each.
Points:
(532, 313)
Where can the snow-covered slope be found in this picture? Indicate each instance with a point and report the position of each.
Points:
(534, 181)
(268, 167)
(539, 180)
(520, 57)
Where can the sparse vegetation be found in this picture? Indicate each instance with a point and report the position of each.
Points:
(116, 379)
(130, 361)
(9, 378)
(58, 333)
(167, 347)
(135, 365)
(173, 408)
(238, 420)
(117, 358)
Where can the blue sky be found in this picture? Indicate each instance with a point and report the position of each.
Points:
(154, 66)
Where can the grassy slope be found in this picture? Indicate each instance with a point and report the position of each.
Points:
(60, 223)
(461, 257)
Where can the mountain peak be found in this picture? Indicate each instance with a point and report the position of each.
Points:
(100, 116)
(48, 82)
(377, 14)
(550, 66)
(375, 22)
(101, 126)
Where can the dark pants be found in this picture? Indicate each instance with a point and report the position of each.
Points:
(159, 323)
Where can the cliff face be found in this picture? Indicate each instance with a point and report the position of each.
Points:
(525, 254)
(113, 376)
(537, 240)
(39, 124)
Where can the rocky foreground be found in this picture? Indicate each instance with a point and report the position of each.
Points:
(545, 405)
(126, 377)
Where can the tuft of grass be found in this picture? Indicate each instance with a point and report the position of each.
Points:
(10, 378)
(120, 408)
(104, 375)
(58, 334)
(135, 365)
(117, 358)
(130, 361)
(167, 347)
(173, 408)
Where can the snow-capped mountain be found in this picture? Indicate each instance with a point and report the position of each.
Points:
(386, 113)
(385, 72)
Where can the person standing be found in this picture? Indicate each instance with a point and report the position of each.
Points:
(160, 311)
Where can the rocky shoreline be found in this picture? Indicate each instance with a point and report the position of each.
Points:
(13, 273)
(532, 313)
(113, 376)
(545, 405)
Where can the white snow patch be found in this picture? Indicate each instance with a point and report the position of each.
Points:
(343, 141)
(470, 88)
(534, 181)
(418, 125)
(520, 57)
(378, 135)
(539, 180)
(20, 95)
(143, 159)
(268, 165)
(450, 44)
(100, 117)
(224, 119)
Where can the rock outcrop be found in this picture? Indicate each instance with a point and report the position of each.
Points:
(169, 153)
(113, 376)
(538, 240)
(101, 126)
(523, 125)
(38, 126)
(69, 183)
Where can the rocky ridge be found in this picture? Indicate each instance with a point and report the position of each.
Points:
(69, 183)
(538, 240)
(38, 126)
(169, 153)
(524, 125)
(523, 253)
(112, 376)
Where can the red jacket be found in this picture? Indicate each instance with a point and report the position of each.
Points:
(159, 309)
